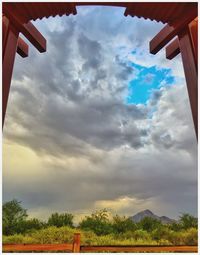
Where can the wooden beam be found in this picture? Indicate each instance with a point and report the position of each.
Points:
(28, 30)
(5, 28)
(173, 49)
(10, 39)
(169, 31)
(160, 248)
(34, 36)
(22, 48)
(190, 69)
(36, 247)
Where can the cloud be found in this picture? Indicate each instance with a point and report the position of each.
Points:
(75, 144)
(62, 90)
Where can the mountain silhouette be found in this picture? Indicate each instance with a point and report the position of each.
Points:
(147, 213)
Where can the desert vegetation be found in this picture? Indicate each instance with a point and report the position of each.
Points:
(97, 229)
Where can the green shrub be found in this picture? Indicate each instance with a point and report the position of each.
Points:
(149, 224)
(188, 221)
(14, 239)
(141, 234)
(122, 224)
(164, 242)
(88, 237)
(61, 220)
(162, 232)
(177, 238)
(175, 226)
(184, 237)
(54, 235)
(191, 237)
(98, 222)
(19, 239)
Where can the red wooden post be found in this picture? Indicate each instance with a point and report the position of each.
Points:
(193, 27)
(190, 68)
(76, 243)
(10, 40)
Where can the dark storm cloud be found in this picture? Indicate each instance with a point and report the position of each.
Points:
(141, 176)
(156, 95)
(90, 51)
(126, 71)
(68, 105)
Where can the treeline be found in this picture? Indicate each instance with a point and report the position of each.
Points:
(108, 229)
(15, 219)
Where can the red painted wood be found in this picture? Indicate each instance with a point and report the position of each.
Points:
(139, 248)
(37, 247)
(173, 49)
(28, 30)
(76, 242)
(9, 51)
(34, 36)
(164, 12)
(190, 69)
(5, 29)
(193, 27)
(69, 247)
(22, 48)
(170, 31)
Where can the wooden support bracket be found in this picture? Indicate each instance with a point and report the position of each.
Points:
(22, 48)
(170, 31)
(173, 49)
(28, 30)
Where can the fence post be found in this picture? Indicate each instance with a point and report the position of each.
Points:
(76, 243)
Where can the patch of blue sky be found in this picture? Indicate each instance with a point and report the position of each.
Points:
(148, 79)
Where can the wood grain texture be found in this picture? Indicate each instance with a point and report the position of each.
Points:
(173, 49)
(70, 247)
(37, 247)
(190, 69)
(22, 48)
(170, 31)
(28, 29)
(140, 248)
(10, 39)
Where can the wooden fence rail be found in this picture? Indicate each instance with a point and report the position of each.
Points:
(73, 247)
(139, 249)
(77, 248)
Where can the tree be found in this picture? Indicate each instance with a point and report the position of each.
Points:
(13, 215)
(188, 221)
(122, 224)
(60, 220)
(175, 226)
(29, 225)
(149, 224)
(98, 222)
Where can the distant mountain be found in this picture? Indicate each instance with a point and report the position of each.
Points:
(147, 213)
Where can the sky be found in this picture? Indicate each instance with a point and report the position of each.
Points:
(98, 122)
